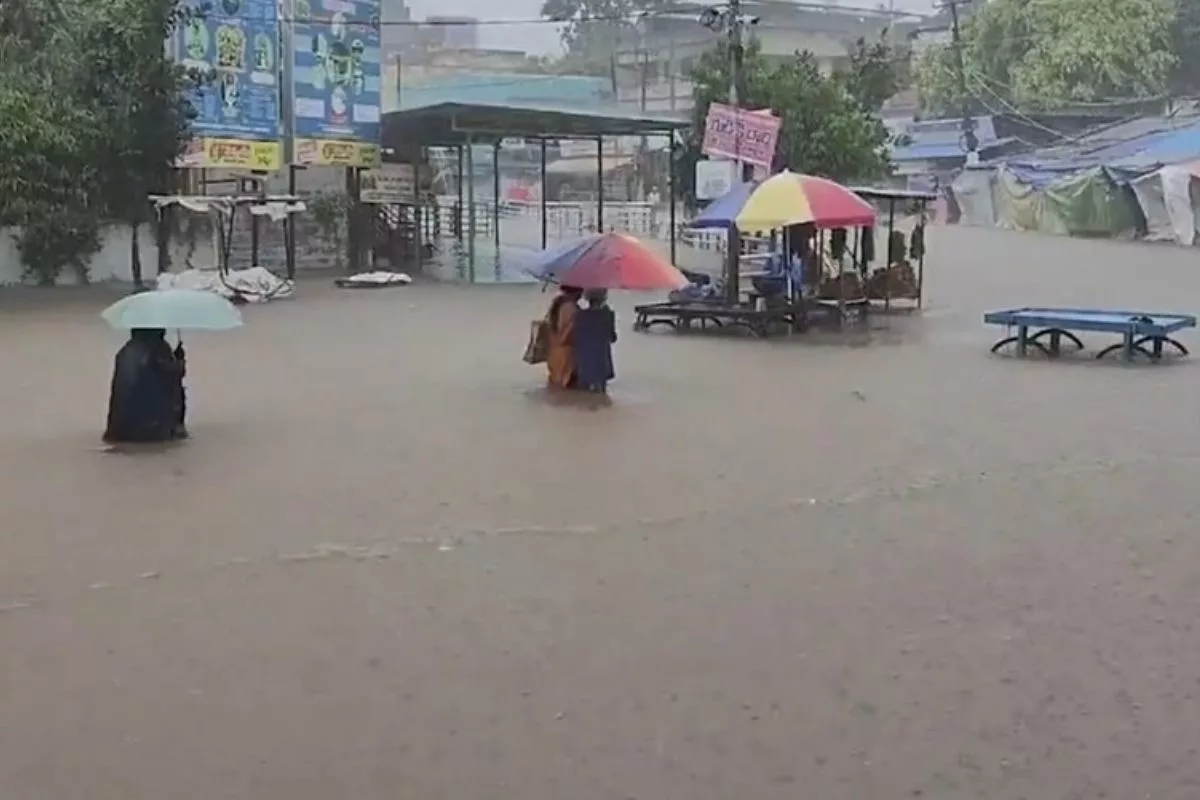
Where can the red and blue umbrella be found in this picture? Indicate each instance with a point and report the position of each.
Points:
(607, 261)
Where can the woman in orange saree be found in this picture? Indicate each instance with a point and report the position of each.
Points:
(560, 325)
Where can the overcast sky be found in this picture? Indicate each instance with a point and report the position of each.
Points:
(543, 38)
(531, 38)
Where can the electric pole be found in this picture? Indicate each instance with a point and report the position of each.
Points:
(729, 21)
(969, 140)
(735, 74)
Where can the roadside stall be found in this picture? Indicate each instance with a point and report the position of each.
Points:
(798, 279)
(902, 275)
(210, 238)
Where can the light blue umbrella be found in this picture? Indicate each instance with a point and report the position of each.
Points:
(181, 309)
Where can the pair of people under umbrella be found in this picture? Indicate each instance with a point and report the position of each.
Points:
(580, 340)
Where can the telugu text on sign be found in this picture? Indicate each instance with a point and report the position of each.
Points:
(735, 133)
(336, 153)
(389, 184)
(212, 153)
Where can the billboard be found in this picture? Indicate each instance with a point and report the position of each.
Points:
(714, 178)
(336, 82)
(237, 112)
(745, 136)
(389, 184)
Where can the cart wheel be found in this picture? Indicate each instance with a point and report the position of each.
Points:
(1000, 345)
(1049, 332)
(1148, 341)
(1138, 350)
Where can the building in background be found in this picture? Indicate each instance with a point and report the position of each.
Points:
(652, 70)
(461, 33)
(399, 33)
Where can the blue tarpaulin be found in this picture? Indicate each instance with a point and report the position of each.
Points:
(1136, 147)
(928, 152)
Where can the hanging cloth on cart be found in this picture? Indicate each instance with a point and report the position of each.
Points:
(867, 247)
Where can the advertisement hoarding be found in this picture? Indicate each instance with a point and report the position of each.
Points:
(736, 133)
(336, 82)
(714, 178)
(389, 184)
(237, 112)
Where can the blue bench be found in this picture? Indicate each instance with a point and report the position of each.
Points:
(1142, 332)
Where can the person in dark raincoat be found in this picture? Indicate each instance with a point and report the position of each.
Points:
(595, 332)
(146, 401)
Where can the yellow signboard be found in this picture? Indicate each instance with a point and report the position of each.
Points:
(208, 153)
(336, 153)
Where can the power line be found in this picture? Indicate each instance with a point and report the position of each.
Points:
(463, 23)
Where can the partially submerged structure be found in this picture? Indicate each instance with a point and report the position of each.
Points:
(1131, 179)
(410, 131)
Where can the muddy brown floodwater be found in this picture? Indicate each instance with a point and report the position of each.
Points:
(385, 568)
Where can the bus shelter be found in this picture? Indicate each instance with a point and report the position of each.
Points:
(409, 132)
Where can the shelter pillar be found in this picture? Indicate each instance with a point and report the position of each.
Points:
(671, 188)
(470, 159)
(458, 216)
(542, 195)
(599, 184)
(419, 211)
(496, 200)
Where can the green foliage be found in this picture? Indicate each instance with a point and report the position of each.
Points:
(829, 125)
(331, 211)
(1046, 54)
(48, 245)
(47, 142)
(594, 29)
(875, 73)
(92, 118)
(1185, 43)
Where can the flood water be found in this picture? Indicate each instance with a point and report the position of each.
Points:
(384, 566)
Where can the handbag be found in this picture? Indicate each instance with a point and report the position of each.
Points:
(538, 346)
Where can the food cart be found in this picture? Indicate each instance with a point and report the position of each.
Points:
(902, 276)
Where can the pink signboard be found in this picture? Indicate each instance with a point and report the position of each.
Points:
(746, 136)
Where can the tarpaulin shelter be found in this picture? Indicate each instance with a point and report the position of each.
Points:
(1170, 201)
(1128, 179)
(1084, 203)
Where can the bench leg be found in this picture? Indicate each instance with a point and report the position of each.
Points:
(1022, 340)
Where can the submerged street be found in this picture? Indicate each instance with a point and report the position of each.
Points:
(384, 566)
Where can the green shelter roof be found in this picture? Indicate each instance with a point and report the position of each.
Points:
(452, 123)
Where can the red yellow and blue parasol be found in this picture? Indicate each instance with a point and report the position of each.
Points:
(786, 199)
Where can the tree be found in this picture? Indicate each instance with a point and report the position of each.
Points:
(595, 29)
(875, 73)
(829, 124)
(1046, 54)
(47, 144)
(140, 97)
(92, 117)
(1185, 44)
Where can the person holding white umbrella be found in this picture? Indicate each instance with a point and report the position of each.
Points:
(147, 401)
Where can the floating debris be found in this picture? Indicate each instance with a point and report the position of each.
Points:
(17, 605)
